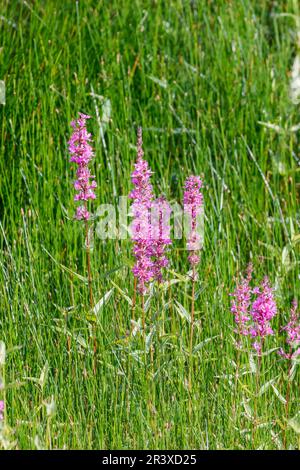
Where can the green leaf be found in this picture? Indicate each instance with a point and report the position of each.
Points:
(247, 408)
(128, 299)
(294, 423)
(181, 277)
(149, 339)
(265, 387)
(293, 371)
(182, 311)
(64, 268)
(50, 407)
(161, 82)
(99, 305)
(165, 285)
(200, 345)
(278, 395)
(252, 364)
(296, 239)
(81, 341)
(285, 257)
(44, 375)
(136, 326)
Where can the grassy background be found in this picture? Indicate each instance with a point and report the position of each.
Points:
(198, 76)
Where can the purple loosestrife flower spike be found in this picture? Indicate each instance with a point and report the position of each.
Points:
(81, 153)
(263, 310)
(193, 204)
(253, 309)
(160, 225)
(1, 410)
(241, 302)
(292, 330)
(142, 196)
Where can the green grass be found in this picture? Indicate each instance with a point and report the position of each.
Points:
(198, 76)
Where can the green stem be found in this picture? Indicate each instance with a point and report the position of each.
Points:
(144, 321)
(191, 343)
(134, 301)
(88, 259)
(257, 381)
(287, 401)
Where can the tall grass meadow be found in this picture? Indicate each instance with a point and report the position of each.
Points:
(149, 225)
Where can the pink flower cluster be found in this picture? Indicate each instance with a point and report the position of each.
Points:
(142, 197)
(241, 304)
(193, 204)
(160, 225)
(150, 227)
(263, 310)
(293, 333)
(1, 410)
(253, 309)
(81, 153)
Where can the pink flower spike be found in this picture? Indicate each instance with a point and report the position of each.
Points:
(258, 348)
(82, 213)
(241, 303)
(160, 232)
(263, 310)
(81, 153)
(253, 309)
(194, 259)
(142, 196)
(292, 329)
(193, 205)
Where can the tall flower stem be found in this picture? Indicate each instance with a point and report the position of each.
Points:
(236, 378)
(191, 341)
(161, 304)
(144, 322)
(287, 400)
(192, 309)
(257, 382)
(90, 287)
(134, 298)
(88, 260)
(171, 310)
(236, 382)
(145, 353)
(292, 329)
(192, 313)
(152, 375)
(193, 207)
(235, 396)
(238, 359)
